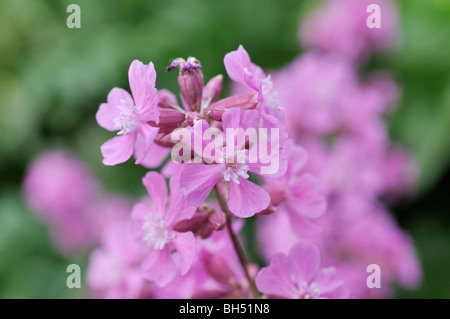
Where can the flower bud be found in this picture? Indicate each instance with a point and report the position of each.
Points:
(197, 222)
(269, 210)
(164, 140)
(169, 119)
(244, 101)
(166, 99)
(218, 268)
(217, 221)
(190, 80)
(212, 90)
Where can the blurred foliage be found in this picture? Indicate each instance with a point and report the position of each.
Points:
(54, 78)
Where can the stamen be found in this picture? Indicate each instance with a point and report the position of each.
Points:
(156, 235)
(126, 121)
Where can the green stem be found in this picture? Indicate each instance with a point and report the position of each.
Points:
(236, 244)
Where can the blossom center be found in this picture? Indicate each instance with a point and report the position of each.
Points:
(126, 122)
(234, 171)
(308, 291)
(234, 167)
(156, 234)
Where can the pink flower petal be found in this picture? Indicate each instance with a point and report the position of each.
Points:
(197, 181)
(97, 277)
(157, 189)
(236, 118)
(304, 227)
(142, 79)
(107, 112)
(275, 279)
(235, 63)
(172, 168)
(185, 245)
(246, 199)
(118, 149)
(330, 285)
(307, 200)
(138, 214)
(155, 156)
(105, 116)
(145, 139)
(297, 158)
(305, 261)
(178, 208)
(159, 267)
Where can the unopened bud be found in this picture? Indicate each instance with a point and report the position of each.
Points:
(197, 222)
(243, 101)
(218, 268)
(212, 90)
(217, 221)
(205, 232)
(190, 80)
(166, 99)
(169, 119)
(164, 140)
(269, 210)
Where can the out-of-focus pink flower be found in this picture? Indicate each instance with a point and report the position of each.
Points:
(353, 38)
(131, 116)
(58, 183)
(299, 275)
(104, 211)
(114, 267)
(297, 193)
(351, 165)
(400, 173)
(168, 252)
(377, 239)
(315, 91)
(244, 198)
(58, 187)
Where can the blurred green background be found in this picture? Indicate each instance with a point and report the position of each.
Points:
(52, 80)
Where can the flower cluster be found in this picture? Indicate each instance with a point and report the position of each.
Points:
(338, 118)
(304, 151)
(184, 244)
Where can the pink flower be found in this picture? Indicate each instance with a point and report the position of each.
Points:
(131, 116)
(58, 187)
(244, 197)
(241, 70)
(300, 276)
(379, 240)
(315, 91)
(353, 38)
(114, 268)
(297, 193)
(169, 252)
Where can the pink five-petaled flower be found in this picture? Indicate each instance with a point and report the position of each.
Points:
(170, 252)
(299, 276)
(130, 116)
(244, 197)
